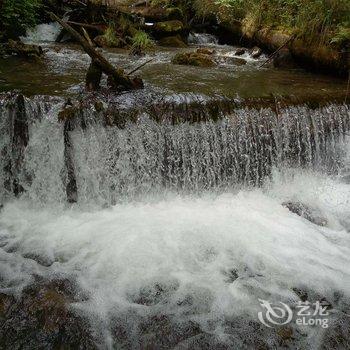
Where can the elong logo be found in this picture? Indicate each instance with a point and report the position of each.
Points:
(280, 314)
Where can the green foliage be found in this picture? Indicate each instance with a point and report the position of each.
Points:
(318, 21)
(342, 36)
(141, 42)
(111, 36)
(18, 15)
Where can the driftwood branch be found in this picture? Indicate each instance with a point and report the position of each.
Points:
(117, 77)
(139, 67)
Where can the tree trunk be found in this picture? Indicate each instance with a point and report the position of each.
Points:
(117, 77)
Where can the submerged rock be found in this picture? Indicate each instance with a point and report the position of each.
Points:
(306, 213)
(172, 41)
(194, 59)
(41, 319)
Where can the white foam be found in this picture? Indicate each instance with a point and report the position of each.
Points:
(189, 245)
(43, 33)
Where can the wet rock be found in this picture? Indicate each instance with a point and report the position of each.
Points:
(256, 52)
(206, 51)
(337, 335)
(194, 59)
(240, 51)
(302, 294)
(306, 213)
(285, 333)
(284, 59)
(230, 275)
(41, 319)
(168, 28)
(161, 332)
(17, 48)
(172, 41)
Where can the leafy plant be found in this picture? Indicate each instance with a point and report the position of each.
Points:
(141, 42)
(18, 15)
(111, 37)
(317, 21)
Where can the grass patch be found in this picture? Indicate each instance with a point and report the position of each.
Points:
(141, 42)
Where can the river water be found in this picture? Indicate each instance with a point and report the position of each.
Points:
(179, 229)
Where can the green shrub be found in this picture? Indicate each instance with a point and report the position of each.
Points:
(141, 42)
(18, 15)
(111, 37)
(317, 21)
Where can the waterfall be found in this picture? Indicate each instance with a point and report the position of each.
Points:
(179, 227)
(46, 32)
(147, 156)
(202, 39)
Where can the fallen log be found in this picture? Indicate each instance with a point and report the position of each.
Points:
(116, 77)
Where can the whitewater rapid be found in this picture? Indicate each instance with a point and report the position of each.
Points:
(190, 234)
(221, 252)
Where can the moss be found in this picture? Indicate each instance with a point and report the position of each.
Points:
(174, 13)
(174, 26)
(172, 41)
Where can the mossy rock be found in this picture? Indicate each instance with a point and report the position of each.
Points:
(194, 59)
(172, 41)
(168, 27)
(20, 49)
(174, 13)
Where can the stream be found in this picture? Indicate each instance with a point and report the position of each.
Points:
(183, 220)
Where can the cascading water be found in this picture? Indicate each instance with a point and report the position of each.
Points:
(202, 39)
(179, 227)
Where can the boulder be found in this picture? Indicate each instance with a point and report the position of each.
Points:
(172, 41)
(194, 59)
(168, 28)
(256, 52)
